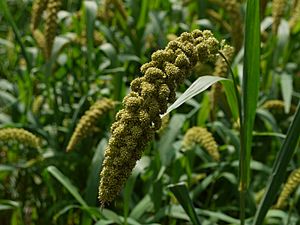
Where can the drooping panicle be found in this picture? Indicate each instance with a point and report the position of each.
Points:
(20, 135)
(201, 136)
(88, 121)
(150, 94)
(291, 184)
(38, 8)
(53, 7)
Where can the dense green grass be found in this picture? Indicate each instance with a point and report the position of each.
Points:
(169, 185)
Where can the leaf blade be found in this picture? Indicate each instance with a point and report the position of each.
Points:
(182, 195)
(200, 85)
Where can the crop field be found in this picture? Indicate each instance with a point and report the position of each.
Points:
(149, 112)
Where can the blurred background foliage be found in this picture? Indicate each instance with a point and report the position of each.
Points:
(98, 49)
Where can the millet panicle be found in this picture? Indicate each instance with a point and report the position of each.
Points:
(201, 136)
(150, 94)
(53, 7)
(88, 121)
(20, 135)
(38, 8)
(291, 184)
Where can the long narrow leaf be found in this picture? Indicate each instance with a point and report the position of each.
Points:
(279, 169)
(200, 85)
(90, 10)
(251, 74)
(182, 195)
(250, 84)
(66, 183)
(93, 178)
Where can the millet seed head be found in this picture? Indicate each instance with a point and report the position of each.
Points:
(38, 8)
(201, 136)
(20, 135)
(53, 8)
(148, 99)
(88, 121)
(291, 184)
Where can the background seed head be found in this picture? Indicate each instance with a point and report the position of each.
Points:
(291, 184)
(20, 135)
(201, 136)
(88, 121)
(38, 8)
(53, 7)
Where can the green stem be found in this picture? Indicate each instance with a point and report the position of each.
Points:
(235, 84)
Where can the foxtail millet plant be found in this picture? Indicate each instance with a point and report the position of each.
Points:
(20, 135)
(53, 8)
(38, 8)
(291, 184)
(277, 14)
(137, 122)
(88, 121)
(201, 136)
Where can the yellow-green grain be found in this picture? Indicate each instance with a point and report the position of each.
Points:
(201, 136)
(291, 184)
(51, 23)
(38, 8)
(19, 135)
(87, 122)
